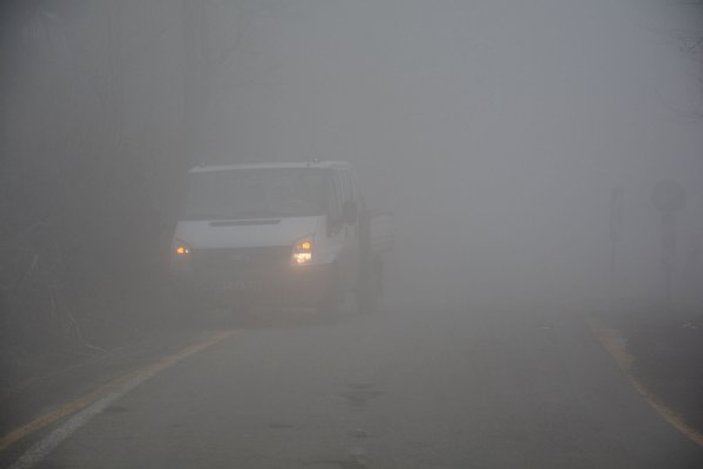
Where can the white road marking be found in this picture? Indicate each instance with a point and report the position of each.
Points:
(40, 450)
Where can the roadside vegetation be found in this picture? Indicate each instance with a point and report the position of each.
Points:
(90, 174)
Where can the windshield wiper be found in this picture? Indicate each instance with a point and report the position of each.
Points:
(205, 216)
(253, 214)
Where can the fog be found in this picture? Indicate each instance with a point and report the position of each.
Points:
(515, 144)
(495, 133)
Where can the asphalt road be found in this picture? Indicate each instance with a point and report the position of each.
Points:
(466, 387)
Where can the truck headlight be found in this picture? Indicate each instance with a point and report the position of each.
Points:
(302, 252)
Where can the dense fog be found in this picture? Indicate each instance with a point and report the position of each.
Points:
(198, 201)
(495, 133)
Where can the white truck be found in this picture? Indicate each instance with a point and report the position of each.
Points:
(288, 234)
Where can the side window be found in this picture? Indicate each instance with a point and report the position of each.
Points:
(336, 198)
(344, 186)
(347, 186)
(352, 186)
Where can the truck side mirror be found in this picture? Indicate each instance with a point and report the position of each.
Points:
(349, 212)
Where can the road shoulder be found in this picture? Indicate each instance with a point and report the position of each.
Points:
(661, 356)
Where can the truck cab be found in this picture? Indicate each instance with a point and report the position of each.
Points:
(292, 234)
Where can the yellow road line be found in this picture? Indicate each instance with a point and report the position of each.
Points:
(614, 344)
(140, 375)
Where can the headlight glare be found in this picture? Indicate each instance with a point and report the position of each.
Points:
(302, 252)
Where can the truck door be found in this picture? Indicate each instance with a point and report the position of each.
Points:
(350, 249)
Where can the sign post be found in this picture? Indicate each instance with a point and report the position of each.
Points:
(615, 225)
(668, 197)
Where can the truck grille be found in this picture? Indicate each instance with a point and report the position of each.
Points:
(217, 262)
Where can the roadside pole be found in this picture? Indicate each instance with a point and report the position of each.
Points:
(669, 197)
(615, 232)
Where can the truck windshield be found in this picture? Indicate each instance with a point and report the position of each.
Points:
(256, 193)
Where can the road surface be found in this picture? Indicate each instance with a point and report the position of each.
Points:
(462, 387)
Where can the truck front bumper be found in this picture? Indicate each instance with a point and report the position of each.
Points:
(303, 286)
